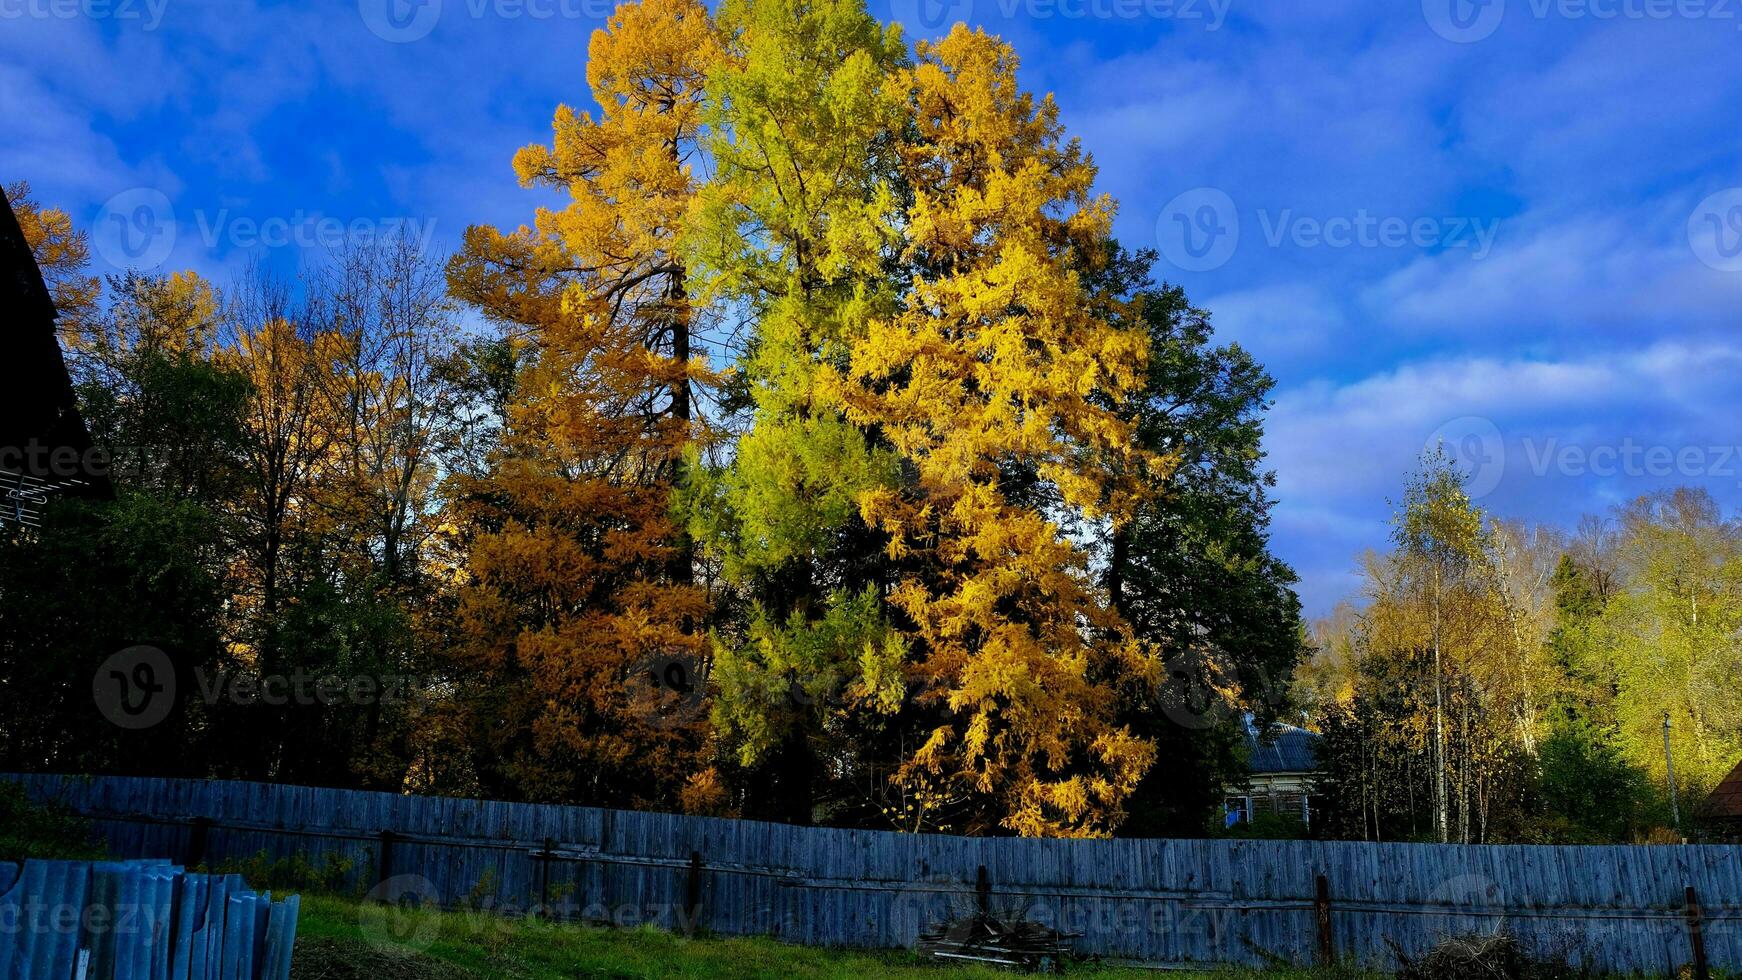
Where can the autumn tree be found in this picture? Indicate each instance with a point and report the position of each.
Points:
(579, 626)
(1439, 535)
(1669, 638)
(989, 370)
(795, 237)
(63, 253)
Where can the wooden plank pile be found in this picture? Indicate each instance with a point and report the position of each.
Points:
(1004, 941)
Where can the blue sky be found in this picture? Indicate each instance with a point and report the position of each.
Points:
(1512, 224)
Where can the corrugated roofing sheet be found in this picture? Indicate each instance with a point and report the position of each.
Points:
(1282, 748)
(139, 920)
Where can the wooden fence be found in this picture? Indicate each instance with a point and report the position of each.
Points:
(1630, 910)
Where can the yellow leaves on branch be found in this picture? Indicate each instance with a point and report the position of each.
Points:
(580, 581)
(996, 364)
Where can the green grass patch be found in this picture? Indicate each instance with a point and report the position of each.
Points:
(340, 939)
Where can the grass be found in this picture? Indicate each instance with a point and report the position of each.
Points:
(339, 940)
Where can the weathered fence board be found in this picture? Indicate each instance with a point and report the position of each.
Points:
(1157, 901)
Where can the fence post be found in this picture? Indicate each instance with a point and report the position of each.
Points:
(983, 893)
(1327, 939)
(384, 862)
(544, 876)
(196, 851)
(1697, 936)
(693, 895)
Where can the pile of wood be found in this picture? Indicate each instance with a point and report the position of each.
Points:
(1003, 941)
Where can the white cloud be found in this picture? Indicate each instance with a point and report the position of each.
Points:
(1342, 449)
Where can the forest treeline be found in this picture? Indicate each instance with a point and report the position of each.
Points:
(818, 456)
(1503, 682)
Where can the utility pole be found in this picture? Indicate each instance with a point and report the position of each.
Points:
(1675, 809)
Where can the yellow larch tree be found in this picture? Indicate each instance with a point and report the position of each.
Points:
(578, 610)
(995, 383)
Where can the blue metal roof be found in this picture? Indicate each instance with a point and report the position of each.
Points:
(1282, 748)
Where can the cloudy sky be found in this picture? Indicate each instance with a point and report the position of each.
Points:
(1514, 225)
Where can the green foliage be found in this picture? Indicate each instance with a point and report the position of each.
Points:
(1194, 570)
(889, 512)
(32, 832)
(797, 676)
(1588, 792)
(1265, 826)
(99, 577)
(335, 875)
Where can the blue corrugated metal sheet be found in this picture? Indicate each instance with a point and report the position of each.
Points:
(139, 920)
(1282, 748)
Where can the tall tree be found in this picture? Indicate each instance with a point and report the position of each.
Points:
(579, 603)
(1439, 536)
(991, 365)
(795, 234)
(1192, 572)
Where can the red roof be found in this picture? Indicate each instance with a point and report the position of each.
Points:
(1726, 801)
